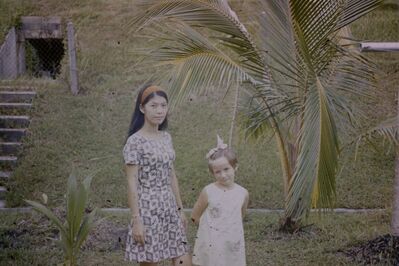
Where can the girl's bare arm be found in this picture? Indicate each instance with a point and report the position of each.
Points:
(245, 205)
(175, 189)
(176, 192)
(199, 207)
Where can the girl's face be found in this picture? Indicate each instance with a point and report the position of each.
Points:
(223, 171)
(155, 110)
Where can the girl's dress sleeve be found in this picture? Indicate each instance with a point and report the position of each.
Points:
(131, 153)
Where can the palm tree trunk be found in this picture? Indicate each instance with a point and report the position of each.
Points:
(282, 151)
(284, 160)
(395, 205)
(234, 117)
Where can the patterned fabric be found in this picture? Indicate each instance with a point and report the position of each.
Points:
(165, 236)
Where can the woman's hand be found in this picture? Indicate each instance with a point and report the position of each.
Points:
(138, 231)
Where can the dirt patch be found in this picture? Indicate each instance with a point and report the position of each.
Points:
(106, 236)
(26, 233)
(38, 231)
(383, 249)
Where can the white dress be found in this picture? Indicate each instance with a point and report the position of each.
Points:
(220, 236)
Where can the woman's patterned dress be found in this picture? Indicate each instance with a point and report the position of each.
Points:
(165, 236)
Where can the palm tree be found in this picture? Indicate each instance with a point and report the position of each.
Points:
(395, 206)
(289, 58)
(388, 130)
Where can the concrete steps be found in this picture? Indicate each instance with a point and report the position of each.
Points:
(15, 105)
(3, 192)
(14, 108)
(5, 175)
(14, 121)
(8, 162)
(12, 134)
(17, 96)
(10, 148)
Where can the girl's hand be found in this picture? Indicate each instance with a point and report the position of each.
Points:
(184, 219)
(138, 231)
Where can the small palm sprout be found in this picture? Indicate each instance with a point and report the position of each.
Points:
(75, 229)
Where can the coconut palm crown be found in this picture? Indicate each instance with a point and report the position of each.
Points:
(292, 57)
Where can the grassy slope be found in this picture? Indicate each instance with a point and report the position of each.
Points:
(85, 133)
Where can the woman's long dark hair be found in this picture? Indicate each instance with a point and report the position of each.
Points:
(137, 121)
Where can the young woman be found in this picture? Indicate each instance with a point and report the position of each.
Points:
(157, 228)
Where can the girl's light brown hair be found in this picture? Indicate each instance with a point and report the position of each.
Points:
(228, 153)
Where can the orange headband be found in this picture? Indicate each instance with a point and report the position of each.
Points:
(147, 91)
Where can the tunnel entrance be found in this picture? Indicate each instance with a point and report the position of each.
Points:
(44, 56)
(38, 47)
(44, 45)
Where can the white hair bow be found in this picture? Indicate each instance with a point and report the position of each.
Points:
(220, 146)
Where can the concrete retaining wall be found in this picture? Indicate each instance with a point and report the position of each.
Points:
(9, 56)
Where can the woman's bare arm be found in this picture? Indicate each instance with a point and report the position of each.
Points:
(133, 198)
(132, 194)
(199, 207)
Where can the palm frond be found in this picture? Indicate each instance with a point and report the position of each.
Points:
(354, 9)
(71, 206)
(214, 15)
(349, 77)
(54, 219)
(313, 183)
(197, 65)
(387, 129)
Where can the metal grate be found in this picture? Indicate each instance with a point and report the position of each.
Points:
(44, 56)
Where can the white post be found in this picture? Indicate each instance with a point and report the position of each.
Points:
(379, 46)
(73, 70)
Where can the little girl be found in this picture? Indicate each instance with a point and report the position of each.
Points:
(219, 211)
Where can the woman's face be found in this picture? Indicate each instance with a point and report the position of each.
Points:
(155, 110)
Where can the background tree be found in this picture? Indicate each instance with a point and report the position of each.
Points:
(291, 60)
(388, 130)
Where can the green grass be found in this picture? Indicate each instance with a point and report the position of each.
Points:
(86, 133)
(382, 25)
(11, 10)
(26, 239)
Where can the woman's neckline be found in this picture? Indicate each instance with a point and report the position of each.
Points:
(225, 188)
(160, 136)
